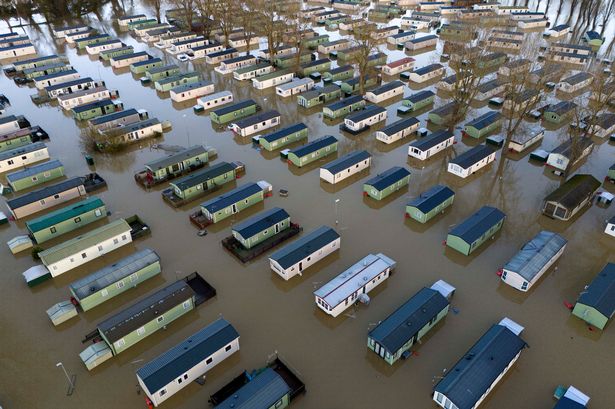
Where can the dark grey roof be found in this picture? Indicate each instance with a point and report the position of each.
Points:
(43, 193)
(55, 75)
(203, 175)
(432, 140)
(477, 224)
(233, 196)
(472, 156)
(485, 120)
(221, 53)
(400, 125)
(22, 150)
(33, 170)
(260, 222)
(178, 360)
(316, 63)
(284, 132)
(254, 119)
(145, 310)
(388, 178)
(427, 69)
(574, 191)
(341, 69)
(234, 107)
(565, 147)
(431, 198)
(299, 249)
(192, 85)
(146, 62)
(445, 109)
(93, 105)
(163, 68)
(605, 120)
(238, 59)
(262, 392)
(127, 56)
(344, 102)
(313, 146)
(577, 78)
(387, 87)
(113, 116)
(562, 107)
(177, 157)
(535, 254)
(567, 403)
(600, 294)
(399, 327)
(420, 96)
(423, 39)
(368, 112)
(346, 161)
(473, 374)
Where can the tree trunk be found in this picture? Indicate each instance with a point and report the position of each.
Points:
(559, 11)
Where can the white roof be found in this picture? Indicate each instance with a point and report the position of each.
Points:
(443, 288)
(35, 272)
(511, 325)
(576, 395)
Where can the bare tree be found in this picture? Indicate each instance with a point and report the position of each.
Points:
(366, 45)
(249, 21)
(271, 26)
(7, 11)
(187, 9)
(156, 5)
(225, 13)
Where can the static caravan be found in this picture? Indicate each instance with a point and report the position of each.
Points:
(526, 15)
(167, 84)
(536, 256)
(309, 12)
(23, 156)
(319, 96)
(393, 337)
(61, 32)
(475, 230)
(296, 86)
(490, 89)
(147, 128)
(593, 39)
(187, 45)
(96, 108)
(19, 66)
(169, 39)
(421, 42)
(199, 183)
(415, 22)
(362, 120)
(427, 73)
(508, 10)
(234, 201)
(116, 52)
(95, 49)
(12, 123)
(295, 257)
(483, 125)
(571, 48)
(522, 100)
(567, 200)
(253, 71)
(69, 101)
(312, 43)
(399, 66)
(354, 85)
(343, 107)
(55, 79)
(345, 166)
(419, 100)
(240, 40)
(381, 12)
(376, 59)
(314, 67)
(272, 79)
(283, 137)
(204, 50)
(386, 183)
(575, 82)
(331, 46)
(214, 100)
(604, 125)
(93, 39)
(45, 198)
(398, 130)
(261, 227)
(595, 303)
(353, 284)
(559, 112)
(498, 349)
(71, 38)
(35, 175)
(193, 90)
(152, 32)
(339, 74)
(471, 161)
(66, 219)
(384, 92)
(17, 50)
(18, 138)
(491, 60)
(569, 58)
(146, 65)
(281, 51)
(119, 118)
(31, 73)
(520, 141)
(430, 203)
(443, 114)
(514, 67)
(230, 65)
(313, 151)
(428, 146)
(550, 72)
(502, 42)
(124, 21)
(532, 23)
(162, 71)
(346, 4)
(89, 246)
(234, 111)
(322, 16)
(125, 60)
(401, 38)
(384, 32)
(168, 167)
(559, 158)
(188, 361)
(256, 123)
(216, 58)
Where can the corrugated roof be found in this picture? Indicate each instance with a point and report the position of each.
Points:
(85, 241)
(63, 214)
(600, 294)
(178, 360)
(175, 158)
(472, 156)
(254, 119)
(313, 146)
(113, 273)
(473, 374)
(43, 193)
(346, 161)
(432, 140)
(535, 254)
(225, 200)
(388, 177)
(431, 198)
(299, 249)
(399, 327)
(203, 175)
(33, 170)
(284, 132)
(22, 150)
(574, 191)
(260, 222)
(477, 224)
(261, 392)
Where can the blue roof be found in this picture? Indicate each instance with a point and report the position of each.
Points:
(33, 170)
(234, 107)
(260, 222)
(567, 403)
(178, 360)
(432, 140)
(282, 133)
(346, 161)
(43, 193)
(368, 112)
(600, 294)
(93, 105)
(400, 125)
(299, 249)
(225, 200)
(535, 254)
(221, 53)
(146, 62)
(387, 87)
(420, 96)
(113, 116)
(55, 75)
(473, 374)
(261, 392)
(472, 156)
(427, 69)
(592, 35)
(68, 84)
(399, 327)
(388, 178)
(344, 102)
(484, 120)
(477, 224)
(254, 119)
(424, 38)
(314, 146)
(431, 198)
(203, 175)
(32, 147)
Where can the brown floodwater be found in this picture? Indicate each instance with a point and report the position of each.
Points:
(273, 316)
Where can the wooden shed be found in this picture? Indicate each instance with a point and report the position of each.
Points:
(568, 199)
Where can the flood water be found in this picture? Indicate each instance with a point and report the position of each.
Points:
(273, 316)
